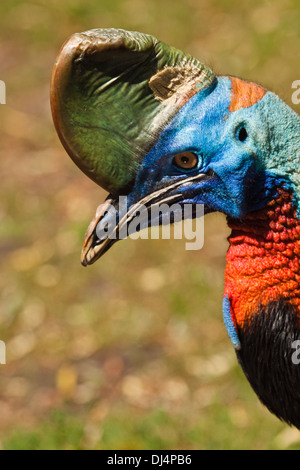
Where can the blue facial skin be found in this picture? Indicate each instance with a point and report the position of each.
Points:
(240, 182)
(241, 171)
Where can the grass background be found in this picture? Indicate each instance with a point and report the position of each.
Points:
(130, 353)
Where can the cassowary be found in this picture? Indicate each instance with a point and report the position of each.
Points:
(146, 121)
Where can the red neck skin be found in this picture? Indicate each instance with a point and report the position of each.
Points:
(263, 260)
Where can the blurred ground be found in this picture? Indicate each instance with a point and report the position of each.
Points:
(130, 353)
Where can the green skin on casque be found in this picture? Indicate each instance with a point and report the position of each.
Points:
(104, 110)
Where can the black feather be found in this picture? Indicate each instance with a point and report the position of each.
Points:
(267, 356)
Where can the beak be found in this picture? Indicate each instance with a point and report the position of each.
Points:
(102, 233)
(92, 248)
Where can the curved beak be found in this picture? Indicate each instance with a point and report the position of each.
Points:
(115, 218)
(92, 249)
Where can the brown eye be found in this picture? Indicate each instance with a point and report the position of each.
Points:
(185, 161)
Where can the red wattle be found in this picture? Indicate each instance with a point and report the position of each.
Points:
(263, 260)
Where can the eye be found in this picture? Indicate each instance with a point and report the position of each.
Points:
(242, 134)
(186, 161)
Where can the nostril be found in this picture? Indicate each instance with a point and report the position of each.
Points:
(242, 134)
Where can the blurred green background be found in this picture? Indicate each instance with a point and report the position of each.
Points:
(130, 353)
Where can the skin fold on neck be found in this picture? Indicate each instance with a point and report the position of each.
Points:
(263, 259)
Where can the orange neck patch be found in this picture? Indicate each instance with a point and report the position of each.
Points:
(244, 94)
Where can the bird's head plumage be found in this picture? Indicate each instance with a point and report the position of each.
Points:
(148, 122)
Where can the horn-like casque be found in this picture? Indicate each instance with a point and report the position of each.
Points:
(112, 93)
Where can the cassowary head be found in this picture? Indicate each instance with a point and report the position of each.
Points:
(146, 121)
